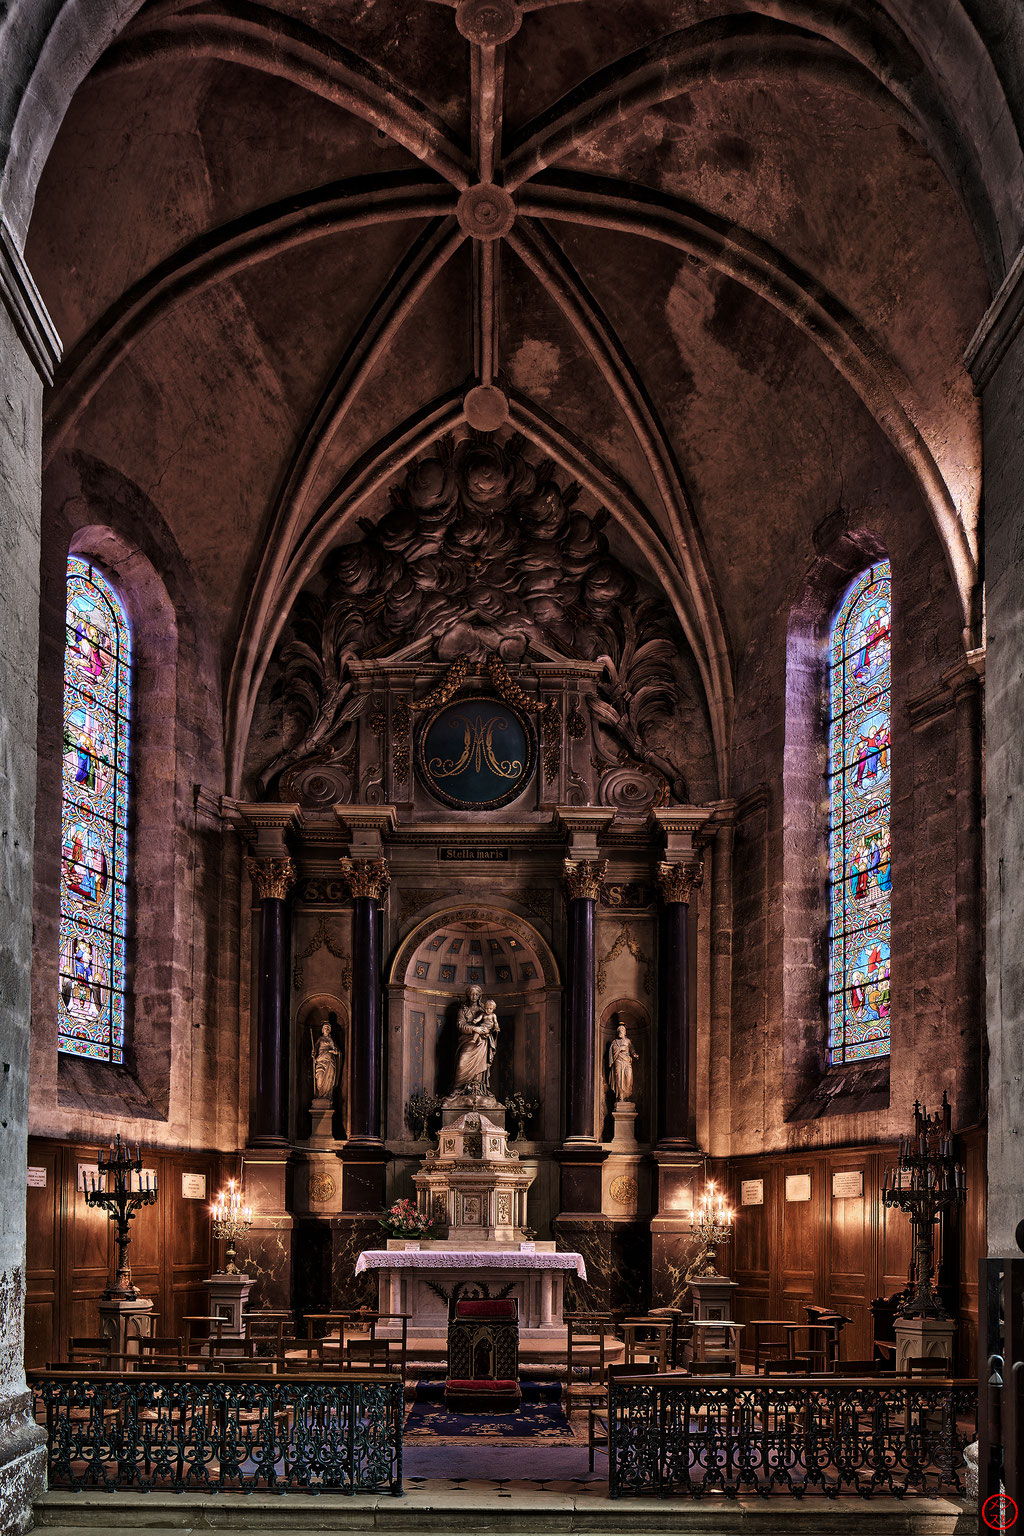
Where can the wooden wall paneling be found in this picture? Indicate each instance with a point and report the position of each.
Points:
(188, 1240)
(89, 1250)
(972, 1247)
(43, 1266)
(70, 1249)
(851, 1257)
(753, 1244)
(802, 1245)
(893, 1234)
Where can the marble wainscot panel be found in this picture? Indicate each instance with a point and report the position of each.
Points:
(618, 1258)
(349, 1237)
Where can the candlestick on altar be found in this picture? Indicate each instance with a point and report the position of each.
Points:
(121, 1202)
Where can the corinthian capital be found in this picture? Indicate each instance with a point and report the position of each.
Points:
(583, 878)
(677, 882)
(366, 877)
(273, 878)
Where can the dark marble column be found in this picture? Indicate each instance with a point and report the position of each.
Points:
(273, 878)
(676, 883)
(364, 1158)
(583, 886)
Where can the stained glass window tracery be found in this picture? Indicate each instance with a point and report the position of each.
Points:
(94, 817)
(859, 771)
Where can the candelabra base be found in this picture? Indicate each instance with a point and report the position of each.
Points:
(124, 1322)
(928, 1338)
(228, 1296)
(712, 1298)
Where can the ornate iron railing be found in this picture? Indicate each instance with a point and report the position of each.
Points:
(705, 1434)
(331, 1432)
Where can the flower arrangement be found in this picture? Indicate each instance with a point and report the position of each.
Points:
(403, 1220)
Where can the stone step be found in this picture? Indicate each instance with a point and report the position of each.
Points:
(529, 1512)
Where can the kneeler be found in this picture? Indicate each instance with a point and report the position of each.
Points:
(483, 1356)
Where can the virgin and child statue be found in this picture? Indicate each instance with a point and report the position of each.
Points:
(478, 1029)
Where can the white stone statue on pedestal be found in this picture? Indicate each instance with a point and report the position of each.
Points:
(326, 1063)
(621, 1057)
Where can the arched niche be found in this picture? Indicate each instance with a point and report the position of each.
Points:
(449, 951)
(628, 1011)
(312, 1013)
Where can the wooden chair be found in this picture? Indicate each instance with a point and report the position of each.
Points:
(95, 1350)
(159, 1354)
(680, 1332)
(798, 1367)
(586, 1353)
(858, 1367)
(929, 1365)
(648, 1340)
(762, 1345)
(599, 1416)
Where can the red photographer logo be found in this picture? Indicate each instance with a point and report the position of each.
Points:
(999, 1512)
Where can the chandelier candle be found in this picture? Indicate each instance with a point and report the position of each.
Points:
(710, 1221)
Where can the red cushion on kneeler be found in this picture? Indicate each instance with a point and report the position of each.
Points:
(481, 1386)
(484, 1308)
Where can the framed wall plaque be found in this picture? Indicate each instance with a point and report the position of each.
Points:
(476, 753)
(798, 1186)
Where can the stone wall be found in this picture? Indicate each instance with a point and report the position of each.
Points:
(183, 912)
(780, 1096)
(999, 370)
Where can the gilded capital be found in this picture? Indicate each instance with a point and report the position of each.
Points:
(583, 878)
(366, 877)
(677, 882)
(273, 878)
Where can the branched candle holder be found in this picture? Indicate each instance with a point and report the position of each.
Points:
(231, 1221)
(928, 1181)
(121, 1201)
(711, 1221)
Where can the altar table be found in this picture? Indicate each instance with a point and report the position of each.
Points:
(422, 1281)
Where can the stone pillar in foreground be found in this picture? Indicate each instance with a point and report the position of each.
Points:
(29, 353)
(368, 880)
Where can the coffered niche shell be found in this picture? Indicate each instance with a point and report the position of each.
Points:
(504, 955)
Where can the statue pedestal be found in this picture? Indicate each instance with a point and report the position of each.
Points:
(321, 1128)
(927, 1337)
(317, 1188)
(228, 1295)
(124, 1323)
(712, 1298)
(624, 1127)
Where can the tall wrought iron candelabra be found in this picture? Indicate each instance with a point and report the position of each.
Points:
(928, 1181)
(120, 1201)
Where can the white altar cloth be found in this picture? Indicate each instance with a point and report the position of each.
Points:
(467, 1258)
(420, 1283)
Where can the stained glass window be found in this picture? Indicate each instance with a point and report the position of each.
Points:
(859, 768)
(94, 820)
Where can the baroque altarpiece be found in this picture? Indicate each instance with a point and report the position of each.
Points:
(485, 764)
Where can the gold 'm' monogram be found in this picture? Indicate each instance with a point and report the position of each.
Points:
(477, 750)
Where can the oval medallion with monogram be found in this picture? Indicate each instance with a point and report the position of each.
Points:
(476, 753)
